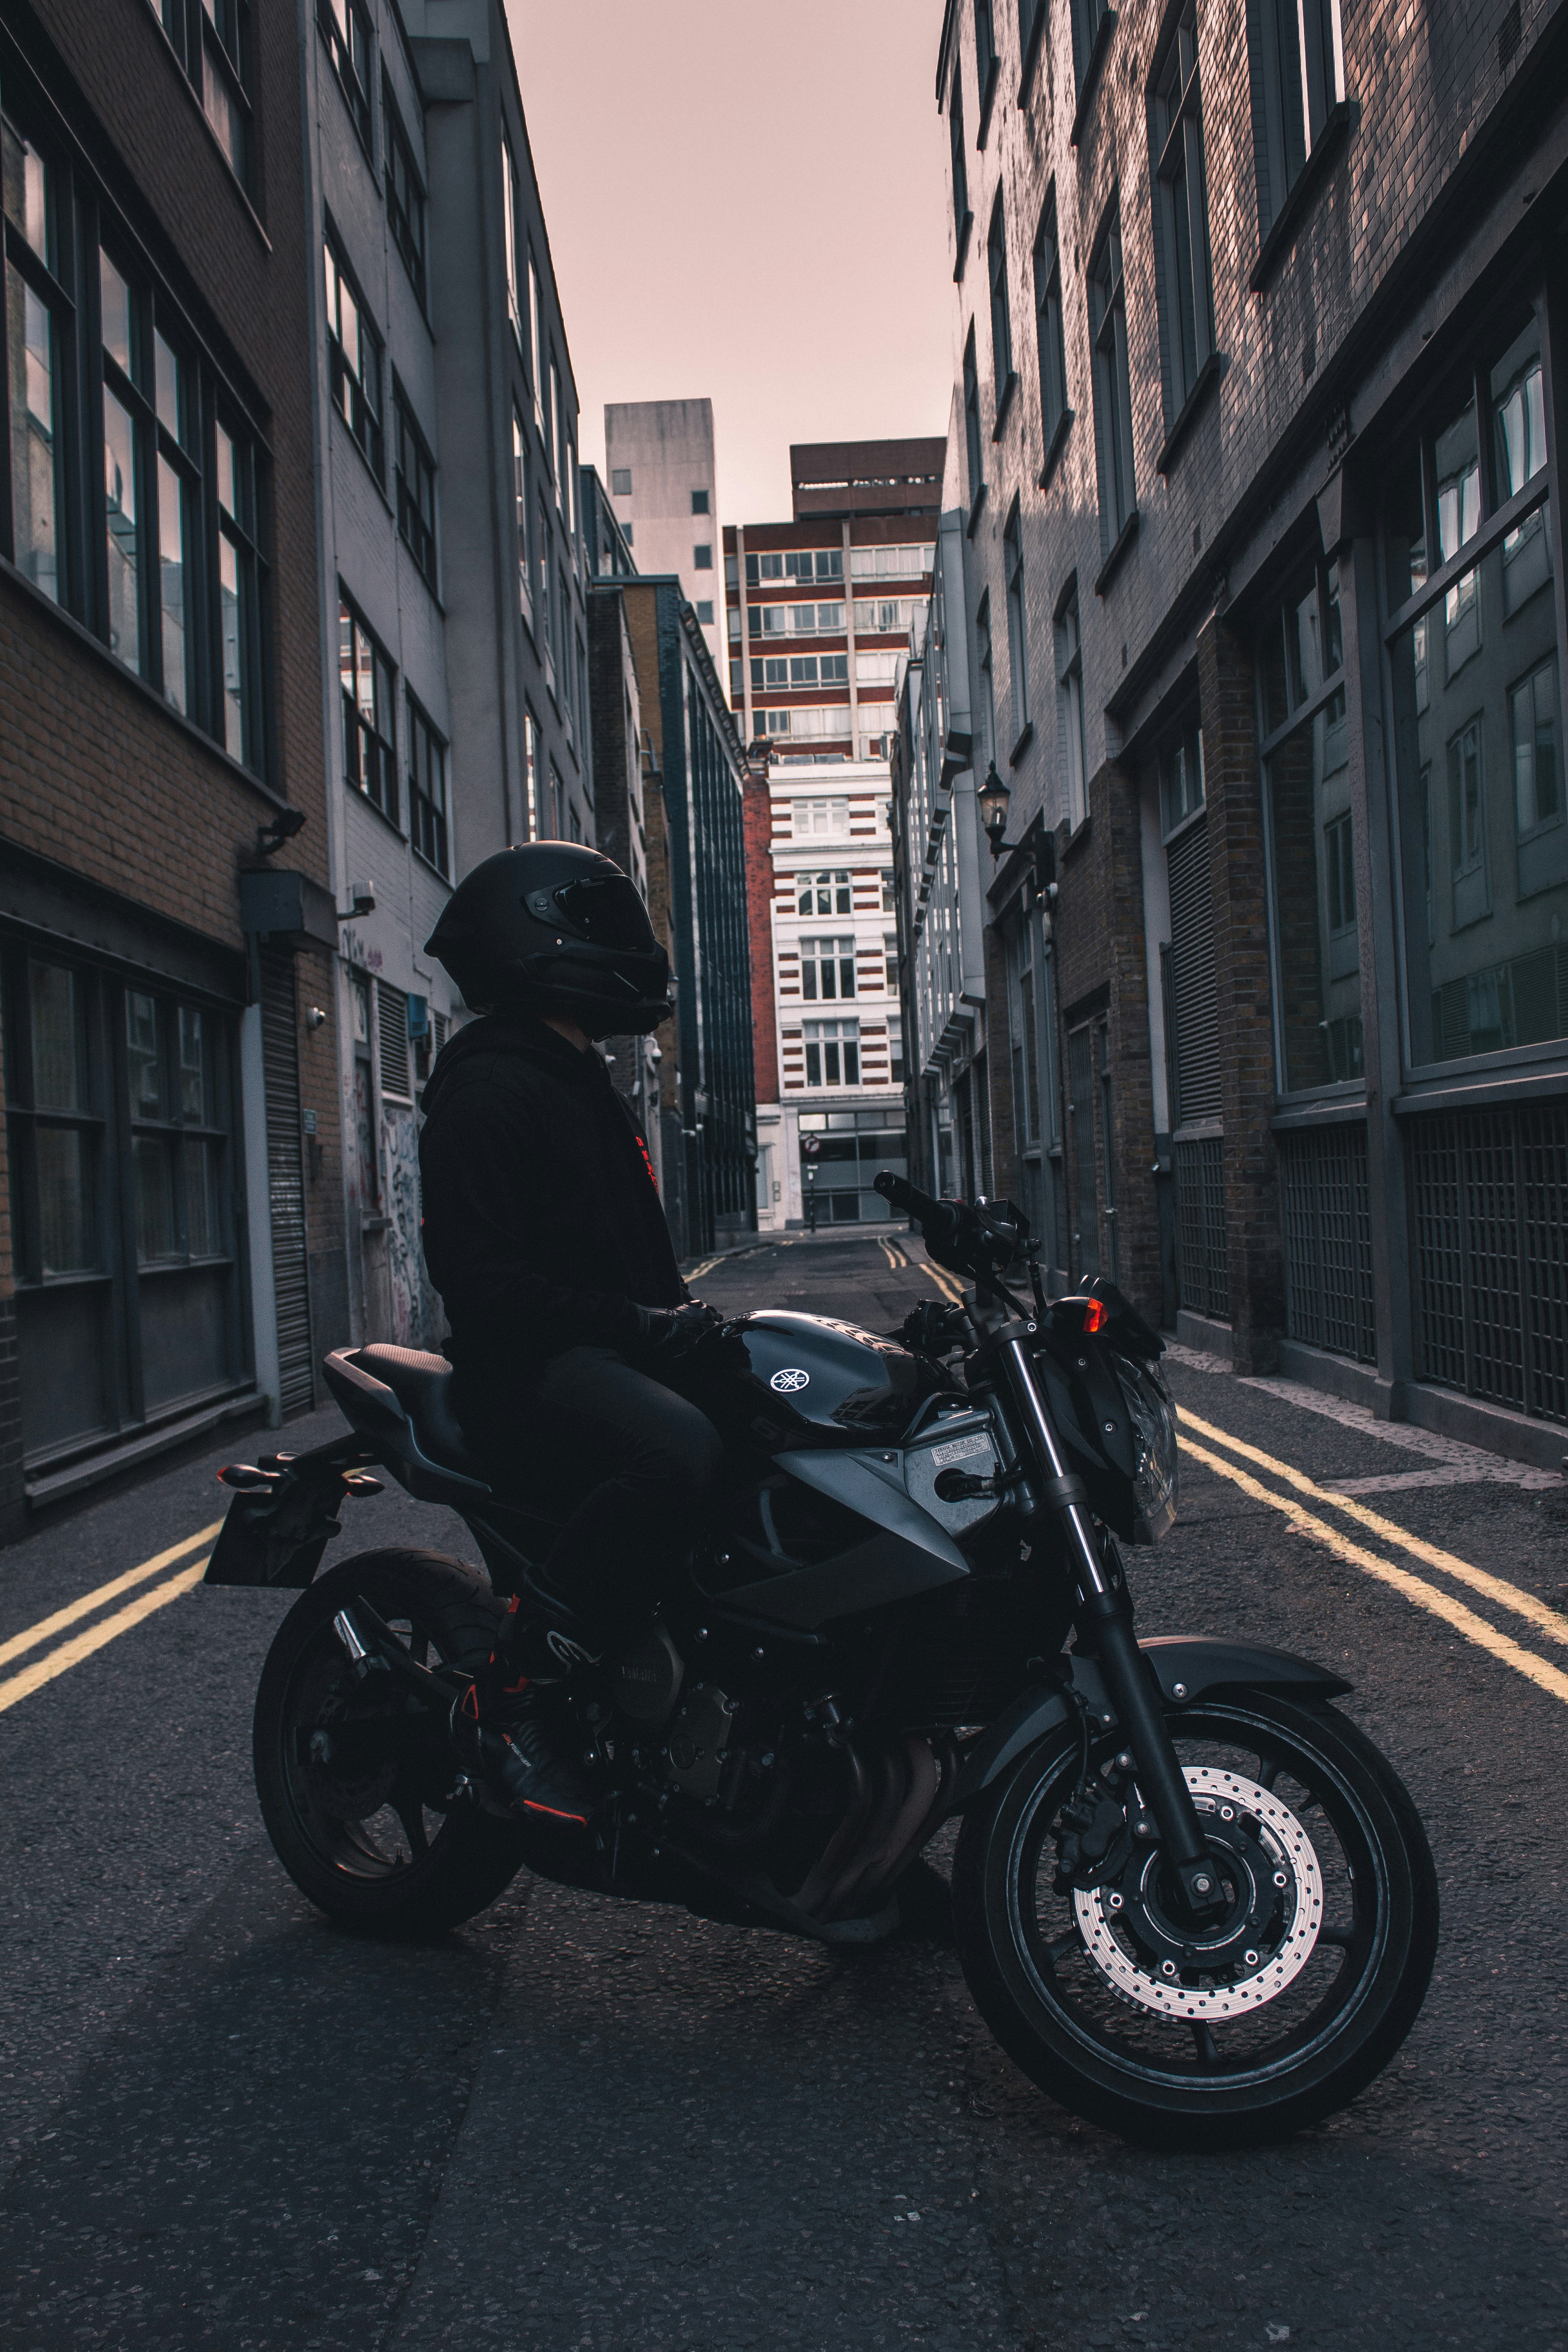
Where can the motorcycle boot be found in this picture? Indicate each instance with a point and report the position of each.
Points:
(504, 1726)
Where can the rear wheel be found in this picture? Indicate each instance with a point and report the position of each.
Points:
(356, 1779)
(1110, 1999)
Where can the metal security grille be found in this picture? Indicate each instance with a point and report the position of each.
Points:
(1195, 1003)
(1204, 1264)
(286, 1183)
(1328, 1242)
(392, 1038)
(1488, 1217)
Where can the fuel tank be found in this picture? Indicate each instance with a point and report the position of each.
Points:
(786, 1380)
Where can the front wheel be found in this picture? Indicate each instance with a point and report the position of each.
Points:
(356, 1778)
(1217, 2037)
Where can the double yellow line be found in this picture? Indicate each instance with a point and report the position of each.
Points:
(21, 1685)
(1546, 1622)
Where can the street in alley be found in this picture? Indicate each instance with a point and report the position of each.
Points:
(577, 2123)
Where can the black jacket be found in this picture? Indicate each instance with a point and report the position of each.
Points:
(542, 1224)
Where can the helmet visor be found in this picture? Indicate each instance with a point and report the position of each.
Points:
(606, 913)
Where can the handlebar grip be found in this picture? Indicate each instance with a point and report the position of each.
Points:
(935, 1218)
(896, 1188)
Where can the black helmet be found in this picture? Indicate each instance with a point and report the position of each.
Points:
(547, 927)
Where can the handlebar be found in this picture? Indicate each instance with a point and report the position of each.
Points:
(937, 1220)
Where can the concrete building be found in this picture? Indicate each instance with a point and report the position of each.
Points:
(171, 1241)
(833, 1113)
(456, 695)
(665, 496)
(1260, 319)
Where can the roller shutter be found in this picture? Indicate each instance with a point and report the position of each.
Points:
(1193, 998)
(286, 1182)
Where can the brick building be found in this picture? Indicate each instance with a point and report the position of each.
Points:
(172, 1229)
(1260, 315)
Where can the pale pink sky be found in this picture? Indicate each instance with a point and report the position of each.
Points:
(746, 202)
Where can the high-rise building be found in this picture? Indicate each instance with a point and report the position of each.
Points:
(819, 615)
(664, 494)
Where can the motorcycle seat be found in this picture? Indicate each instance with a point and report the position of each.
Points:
(422, 1383)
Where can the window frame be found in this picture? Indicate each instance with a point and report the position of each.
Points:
(1279, 92)
(407, 221)
(427, 811)
(987, 67)
(1071, 716)
(1051, 337)
(364, 414)
(1184, 275)
(974, 433)
(1017, 632)
(337, 22)
(365, 745)
(210, 56)
(415, 528)
(962, 217)
(1114, 453)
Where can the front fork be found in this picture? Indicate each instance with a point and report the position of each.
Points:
(1104, 1616)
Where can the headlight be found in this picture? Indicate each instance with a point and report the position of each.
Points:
(1154, 1474)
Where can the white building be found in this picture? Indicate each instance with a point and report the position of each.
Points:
(663, 493)
(835, 994)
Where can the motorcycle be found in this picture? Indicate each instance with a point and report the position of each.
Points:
(1191, 1899)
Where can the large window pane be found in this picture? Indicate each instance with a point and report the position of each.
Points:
(1482, 822)
(66, 1211)
(1314, 902)
(153, 1174)
(145, 1055)
(120, 509)
(204, 1228)
(32, 343)
(174, 585)
(59, 1039)
(231, 601)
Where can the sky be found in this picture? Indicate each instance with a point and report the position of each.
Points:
(745, 202)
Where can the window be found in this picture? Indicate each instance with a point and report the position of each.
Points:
(1307, 795)
(895, 1049)
(542, 616)
(819, 816)
(699, 502)
(702, 557)
(832, 1053)
(120, 1115)
(821, 894)
(879, 615)
(1017, 640)
(369, 751)
(1001, 318)
(557, 803)
(892, 562)
(353, 354)
(213, 44)
(405, 194)
(535, 354)
(1070, 711)
(1297, 80)
(415, 492)
(392, 1041)
(172, 575)
(962, 216)
(974, 447)
(427, 789)
(1091, 22)
(621, 481)
(548, 375)
(870, 669)
(890, 962)
(705, 613)
(987, 659)
(531, 785)
(1023, 1029)
(1182, 780)
(827, 968)
(1181, 205)
(1054, 413)
(985, 61)
(560, 446)
(520, 512)
(1112, 390)
(345, 28)
(1484, 843)
(509, 245)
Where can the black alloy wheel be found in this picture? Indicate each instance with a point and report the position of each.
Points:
(357, 1776)
(1246, 2030)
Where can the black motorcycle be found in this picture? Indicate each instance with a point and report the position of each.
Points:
(1191, 1899)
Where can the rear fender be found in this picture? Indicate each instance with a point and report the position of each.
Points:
(1186, 1667)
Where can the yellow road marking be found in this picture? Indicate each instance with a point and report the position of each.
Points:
(949, 1285)
(1539, 1671)
(46, 1627)
(1549, 1622)
(108, 1629)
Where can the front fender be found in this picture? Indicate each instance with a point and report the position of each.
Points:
(1185, 1667)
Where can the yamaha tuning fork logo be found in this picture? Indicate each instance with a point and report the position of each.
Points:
(790, 1381)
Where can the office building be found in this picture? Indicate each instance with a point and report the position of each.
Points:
(664, 494)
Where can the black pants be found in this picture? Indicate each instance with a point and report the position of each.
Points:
(632, 1464)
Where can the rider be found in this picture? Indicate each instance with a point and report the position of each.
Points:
(545, 1234)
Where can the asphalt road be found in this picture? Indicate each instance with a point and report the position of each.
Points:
(585, 2126)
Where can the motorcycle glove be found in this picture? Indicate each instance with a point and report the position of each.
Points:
(668, 1333)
